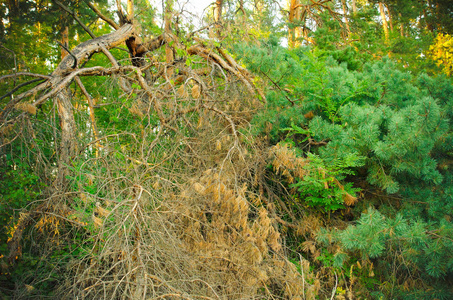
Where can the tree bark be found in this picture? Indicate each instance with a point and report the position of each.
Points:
(68, 142)
(65, 41)
(293, 7)
(218, 11)
(384, 22)
(169, 57)
(390, 18)
(345, 16)
(218, 7)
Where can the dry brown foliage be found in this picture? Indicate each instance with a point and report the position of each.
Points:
(193, 229)
(181, 210)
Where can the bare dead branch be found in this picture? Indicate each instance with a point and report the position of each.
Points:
(226, 117)
(151, 95)
(65, 8)
(93, 71)
(20, 86)
(277, 86)
(24, 74)
(24, 95)
(247, 75)
(211, 56)
(87, 48)
(102, 16)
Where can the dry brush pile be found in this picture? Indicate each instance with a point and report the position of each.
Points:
(173, 209)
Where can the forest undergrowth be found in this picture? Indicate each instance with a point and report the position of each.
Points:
(216, 163)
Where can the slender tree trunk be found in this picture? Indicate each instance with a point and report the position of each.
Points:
(401, 26)
(293, 7)
(120, 12)
(299, 30)
(438, 15)
(384, 22)
(218, 17)
(68, 143)
(345, 15)
(169, 57)
(354, 7)
(130, 10)
(390, 18)
(218, 11)
(65, 41)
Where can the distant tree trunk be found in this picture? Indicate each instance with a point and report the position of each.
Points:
(390, 18)
(345, 15)
(167, 29)
(384, 22)
(130, 10)
(64, 41)
(354, 7)
(293, 7)
(401, 26)
(218, 17)
(120, 13)
(300, 30)
(218, 11)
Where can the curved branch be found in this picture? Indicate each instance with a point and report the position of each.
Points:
(24, 74)
(87, 48)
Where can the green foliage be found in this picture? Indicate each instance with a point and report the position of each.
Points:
(19, 186)
(423, 250)
(320, 187)
(381, 113)
(301, 83)
(393, 123)
(351, 116)
(390, 126)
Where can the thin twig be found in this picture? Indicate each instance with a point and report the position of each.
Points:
(75, 18)
(277, 86)
(24, 74)
(21, 85)
(303, 276)
(335, 288)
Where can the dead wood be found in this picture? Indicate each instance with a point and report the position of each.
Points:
(102, 16)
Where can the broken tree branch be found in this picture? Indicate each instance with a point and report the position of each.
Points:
(102, 16)
(24, 74)
(19, 86)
